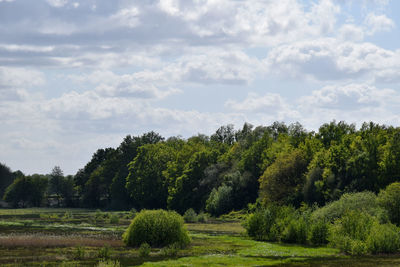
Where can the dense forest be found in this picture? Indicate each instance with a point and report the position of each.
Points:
(228, 170)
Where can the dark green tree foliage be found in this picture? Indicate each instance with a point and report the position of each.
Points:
(283, 180)
(146, 183)
(27, 191)
(6, 178)
(187, 191)
(56, 183)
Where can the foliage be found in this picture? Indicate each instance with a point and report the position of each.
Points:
(219, 200)
(282, 180)
(26, 191)
(144, 250)
(108, 263)
(362, 201)
(389, 199)
(79, 253)
(104, 252)
(157, 228)
(190, 216)
(383, 238)
(319, 233)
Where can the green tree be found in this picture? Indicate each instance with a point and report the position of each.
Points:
(283, 180)
(6, 178)
(389, 199)
(145, 183)
(56, 183)
(26, 191)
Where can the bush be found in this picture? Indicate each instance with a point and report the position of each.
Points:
(79, 253)
(202, 217)
(171, 250)
(389, 199)
(259, 224)
(144, 250)
(362, 201)
(350, 233)
(296, 231)
(114, 219)
(269, 223)
(108, 263)
(220, 200)
(319, 233)
(190, 216)
(157, 228)
(104, 252)
(383, 238)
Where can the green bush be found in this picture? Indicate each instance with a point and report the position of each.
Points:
(350, 232)
(269, 223)
(362, 201)
(389, 199)
(79, 253)
(104, 252)
(190, 216)
(157, 228)
(296, 231)
(383, 238)
(220, 200)
(259, 224)
(170, 250)
(202, 217)
(319, 233)
(114, 219)
(144, 250)
(108, 263)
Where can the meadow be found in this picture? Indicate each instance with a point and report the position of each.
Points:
(79, 237)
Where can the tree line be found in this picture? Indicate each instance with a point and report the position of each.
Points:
(279, 163)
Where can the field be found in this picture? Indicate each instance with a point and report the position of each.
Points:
(78, 237)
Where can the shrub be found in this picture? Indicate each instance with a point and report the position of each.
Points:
(383, 238)
(362, 201)
(220, 200)
(108, 263)
(202, 217)
(259, 224)
(171, 250)
(144, 250)
(269, 223)
(157, 228)
(296, 231)
(114, 219)
(350, 233)
(79, 253)
(104, 252)
(319, 233)
(389, 199)
(190, 216)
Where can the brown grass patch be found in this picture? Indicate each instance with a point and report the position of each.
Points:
(46, 241)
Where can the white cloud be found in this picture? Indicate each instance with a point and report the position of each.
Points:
(351, 103)
(127, 17)
(329, 59)
(57, 3)
(351, 32)
(378, 23)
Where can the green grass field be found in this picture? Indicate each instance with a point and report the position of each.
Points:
(77, 237)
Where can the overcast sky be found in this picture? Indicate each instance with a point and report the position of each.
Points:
(76, 76)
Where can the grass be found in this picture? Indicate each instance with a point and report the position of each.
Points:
(46, 237)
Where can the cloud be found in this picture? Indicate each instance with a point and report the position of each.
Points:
(378, 23)
(352, 103)
(15, 81)
(57, 3)
(329, 59)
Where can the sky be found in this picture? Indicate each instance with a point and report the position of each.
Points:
(76, 76)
